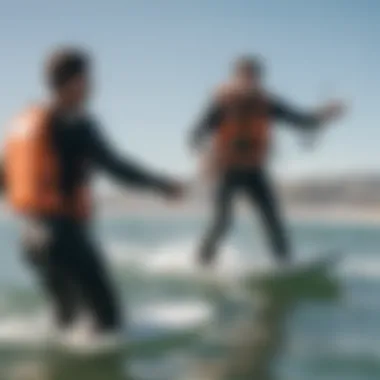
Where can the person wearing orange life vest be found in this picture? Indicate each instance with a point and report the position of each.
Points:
(50, 155)
(239, 122)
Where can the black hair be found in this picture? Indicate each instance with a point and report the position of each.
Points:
(251, 64)
(65, 64)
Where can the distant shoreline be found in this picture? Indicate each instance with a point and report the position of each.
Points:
(349, 215)
(341, 215)
(337, 215)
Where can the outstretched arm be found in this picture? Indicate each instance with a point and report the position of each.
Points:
(285, 113)
(307, 120)
(206, 125)
(124, 170)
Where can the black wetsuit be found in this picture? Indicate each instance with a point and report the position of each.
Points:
(64, 254)
(253, 182)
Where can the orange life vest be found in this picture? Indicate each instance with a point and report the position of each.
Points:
(32, 171)
(242, 139)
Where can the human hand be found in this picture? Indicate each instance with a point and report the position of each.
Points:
(173, 190)
(332, 110)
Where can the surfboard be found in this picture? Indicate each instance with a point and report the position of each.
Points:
(320, 262)
(144, 336)
(310, 274)
(309, 277)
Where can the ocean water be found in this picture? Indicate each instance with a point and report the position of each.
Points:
(258, 334)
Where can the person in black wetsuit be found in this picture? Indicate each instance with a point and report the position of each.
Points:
(243, 104)
(60, 246)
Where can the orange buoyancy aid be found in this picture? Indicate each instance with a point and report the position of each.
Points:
(32, 171)
(243, 137)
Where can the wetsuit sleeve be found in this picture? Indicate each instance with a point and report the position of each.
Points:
(284, 113)
(2, 177)
(123, 169)
(207, 124)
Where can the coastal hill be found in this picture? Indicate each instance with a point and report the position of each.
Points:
(344, 197)
(349, 193)
(347, 190)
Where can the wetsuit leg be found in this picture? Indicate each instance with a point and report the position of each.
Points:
(71, 272)
(64, 294)
(221, 218)
(45, 244)
(261, 191)
(96, 288)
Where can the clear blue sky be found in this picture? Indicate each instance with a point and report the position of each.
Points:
(155, 54)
